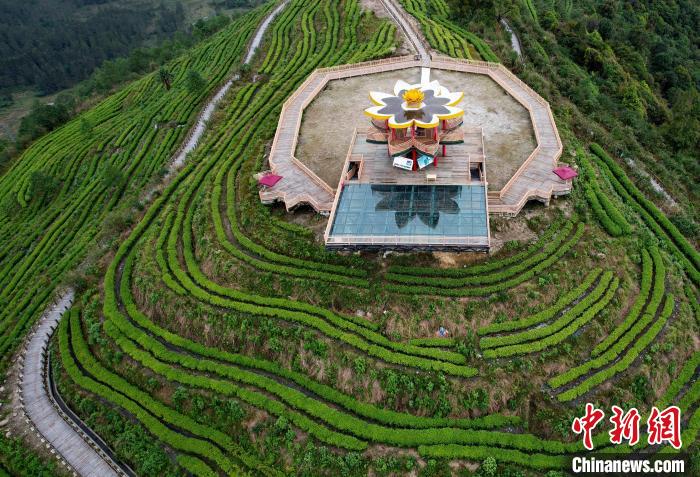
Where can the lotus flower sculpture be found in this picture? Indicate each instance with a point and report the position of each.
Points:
(422, 105)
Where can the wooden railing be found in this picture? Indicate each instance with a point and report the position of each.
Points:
(313, 201)
(494, 70)
(513, 209)
(313, 176)
(538, 194)
(367, 64)
(520, 91)
(437, 57)
(555, 156)
(416, 240)
(341, 184)
(483, 166)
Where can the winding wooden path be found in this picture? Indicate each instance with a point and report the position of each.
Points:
(77, 449)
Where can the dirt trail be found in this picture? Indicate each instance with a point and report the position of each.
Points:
(514, 41)
(409, 29)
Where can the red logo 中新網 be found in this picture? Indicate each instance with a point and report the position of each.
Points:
(626, 426)
(665, 426)
(662, 426)
(587, 423)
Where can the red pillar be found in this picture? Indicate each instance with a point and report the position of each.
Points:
(413, 136)
(444, 149)
(435, 136)
(391, 138)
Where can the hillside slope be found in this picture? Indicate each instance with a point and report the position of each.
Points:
(214, 335)
(74, 190)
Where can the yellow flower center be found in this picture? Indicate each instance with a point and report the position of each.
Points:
(413, 96)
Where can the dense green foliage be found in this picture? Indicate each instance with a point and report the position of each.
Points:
(445, 36)
(47, 116)
(562, 321)
(130, 442)
(624, 74)
(603, 208)
(17, 460)
(545, 315)
(538, 339)
(53, 44)
(655, 219)
(627, 333)
(57, 200)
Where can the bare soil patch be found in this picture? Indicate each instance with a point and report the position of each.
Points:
(509, 137)
(329, 121)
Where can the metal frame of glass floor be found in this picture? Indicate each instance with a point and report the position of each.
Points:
(409, 217)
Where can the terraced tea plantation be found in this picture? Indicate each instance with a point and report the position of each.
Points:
(214, 335)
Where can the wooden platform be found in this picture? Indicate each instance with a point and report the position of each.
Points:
(369, 164)
(299, 184)
(453, 169)
(533, 180)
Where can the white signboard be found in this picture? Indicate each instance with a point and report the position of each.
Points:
(403, 163)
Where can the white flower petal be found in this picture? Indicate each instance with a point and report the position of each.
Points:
(454, 98)
(378, 98)
(374, 113)
(401, 85)
(433, 86)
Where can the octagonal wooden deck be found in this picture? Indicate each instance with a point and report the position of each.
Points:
(533, 180)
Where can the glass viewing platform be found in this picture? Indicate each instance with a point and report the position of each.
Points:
(374, 216)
